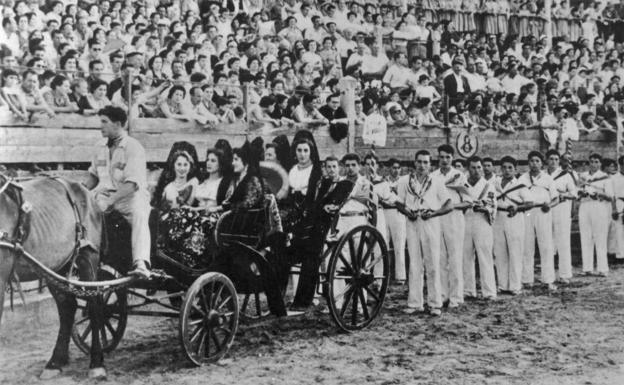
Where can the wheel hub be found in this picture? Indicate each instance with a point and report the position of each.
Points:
(365, 278)
(213, 319)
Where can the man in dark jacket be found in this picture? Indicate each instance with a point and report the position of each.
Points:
(455, 84)
(338, 121)
(330, 194)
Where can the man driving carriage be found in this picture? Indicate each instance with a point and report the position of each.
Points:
(118, 174)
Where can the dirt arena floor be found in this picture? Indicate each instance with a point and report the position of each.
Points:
(575, 336)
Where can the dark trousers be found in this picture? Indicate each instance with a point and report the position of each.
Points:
(310, 252)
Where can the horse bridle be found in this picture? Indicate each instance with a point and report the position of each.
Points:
(14, 192)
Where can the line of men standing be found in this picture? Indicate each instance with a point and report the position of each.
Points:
(448, 218)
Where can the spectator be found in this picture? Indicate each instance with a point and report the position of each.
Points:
(397, 75)
(58, 96)
(96, 99)
(455, 84)
(307, 113)
(172, 107)
(11, 96)
(202, 111)
(34, 100)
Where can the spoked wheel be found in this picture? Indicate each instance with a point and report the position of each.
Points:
(358, 276)
(115, 320)
(208, 318)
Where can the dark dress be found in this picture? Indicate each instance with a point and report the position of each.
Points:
(186, 235)
(253, 270)
(318, 222)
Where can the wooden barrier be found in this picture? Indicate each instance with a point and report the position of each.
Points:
(70, 138)
(403, 141)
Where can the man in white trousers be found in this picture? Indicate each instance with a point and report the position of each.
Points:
(618, 216)
(422, 198)
(562, 213)
(383, 195)
(395, 221)
(609, 166)
(356, 210)
(538, 222)
(478, 235)
(511, 196)
(452, 230)
(595, 210)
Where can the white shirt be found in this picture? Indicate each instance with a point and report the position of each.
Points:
(564, 183)
(298, 178)
(475, 81)
(453, 177)
(596, 183)
(513, 198)
(431, 194)
(542, 187)
(396, 76)
(618, 188)
(513, 85)
(374, 64)
(460, 82)
(206, 192)
(362, 189)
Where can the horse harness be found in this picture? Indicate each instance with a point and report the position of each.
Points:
(22, 229)
(14, 192)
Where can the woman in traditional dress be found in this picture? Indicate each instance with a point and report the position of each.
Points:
(179, 235)
(303, 178)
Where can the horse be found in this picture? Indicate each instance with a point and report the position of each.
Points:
(56, 211)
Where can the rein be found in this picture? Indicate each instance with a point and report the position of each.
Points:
(79, 289)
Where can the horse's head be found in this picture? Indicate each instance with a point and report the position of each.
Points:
(10, 202)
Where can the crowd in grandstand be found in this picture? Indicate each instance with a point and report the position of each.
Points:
(280, 61)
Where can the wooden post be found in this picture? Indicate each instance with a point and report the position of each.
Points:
(445, 116)
(346, 85)
(618, 135)
(129, 90)
(245, 89)
(548, 25)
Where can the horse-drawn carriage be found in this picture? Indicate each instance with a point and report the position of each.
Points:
(354, 282)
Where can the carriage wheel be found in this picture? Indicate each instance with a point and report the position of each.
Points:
(208, 318)
(115, 320)
(358, 276)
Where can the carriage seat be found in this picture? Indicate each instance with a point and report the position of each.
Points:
(249, 227)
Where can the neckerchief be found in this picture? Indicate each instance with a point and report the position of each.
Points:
(114, 142)
(561, 174)
(532, 180)
(452, 179)
(423, 189)
(504, 194)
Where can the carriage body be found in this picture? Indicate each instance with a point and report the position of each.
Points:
(354, 279)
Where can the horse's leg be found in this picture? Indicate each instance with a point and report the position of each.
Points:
(88, 268)
(6, 266)
(66, 305)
